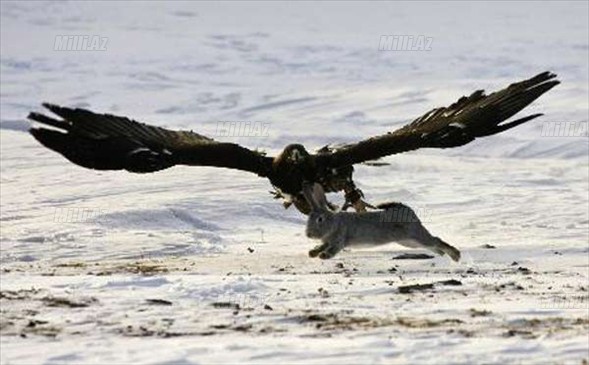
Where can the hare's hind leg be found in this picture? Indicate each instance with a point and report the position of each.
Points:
(424, 239)
(452, 251)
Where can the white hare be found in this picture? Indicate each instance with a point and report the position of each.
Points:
(395, 222)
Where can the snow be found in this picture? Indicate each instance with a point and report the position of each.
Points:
(201, 265)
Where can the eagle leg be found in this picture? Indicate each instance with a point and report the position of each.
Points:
(354, 198)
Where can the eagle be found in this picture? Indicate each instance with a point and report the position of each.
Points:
(109, 142)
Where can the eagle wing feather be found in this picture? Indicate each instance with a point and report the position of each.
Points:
(471, 117)
(110, 142)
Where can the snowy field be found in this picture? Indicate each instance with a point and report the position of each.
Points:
(201, 265)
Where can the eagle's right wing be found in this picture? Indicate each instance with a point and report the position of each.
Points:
(109, 142)
(471, 117)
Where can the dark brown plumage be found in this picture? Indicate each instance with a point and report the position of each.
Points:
(477, 115)
(109, 142)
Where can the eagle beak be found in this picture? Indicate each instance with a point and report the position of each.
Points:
(295, 156)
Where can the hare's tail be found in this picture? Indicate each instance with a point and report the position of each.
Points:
(445, 248)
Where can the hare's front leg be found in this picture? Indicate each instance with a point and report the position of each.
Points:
(333, 244)
(315, 251)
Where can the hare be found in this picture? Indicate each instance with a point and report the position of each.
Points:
(394, 222)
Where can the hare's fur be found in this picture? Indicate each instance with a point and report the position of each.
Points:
(396, 222)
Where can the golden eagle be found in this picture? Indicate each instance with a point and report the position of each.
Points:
(109, 142)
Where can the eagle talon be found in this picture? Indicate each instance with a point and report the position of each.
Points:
(361, 206)
(354, 199)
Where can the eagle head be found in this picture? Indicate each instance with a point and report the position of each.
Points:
(295, 153)
(290, 167)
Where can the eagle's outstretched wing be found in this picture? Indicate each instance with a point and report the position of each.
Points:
(109, 142)
(477, 115)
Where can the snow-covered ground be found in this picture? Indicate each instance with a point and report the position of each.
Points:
(199, 265)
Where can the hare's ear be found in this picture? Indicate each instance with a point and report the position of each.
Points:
(308, 193)
(319, 197)
(315, 196)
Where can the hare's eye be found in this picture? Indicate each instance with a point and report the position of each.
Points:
(319, 219)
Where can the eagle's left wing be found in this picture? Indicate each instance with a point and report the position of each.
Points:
(110, 142)
(477, 115)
